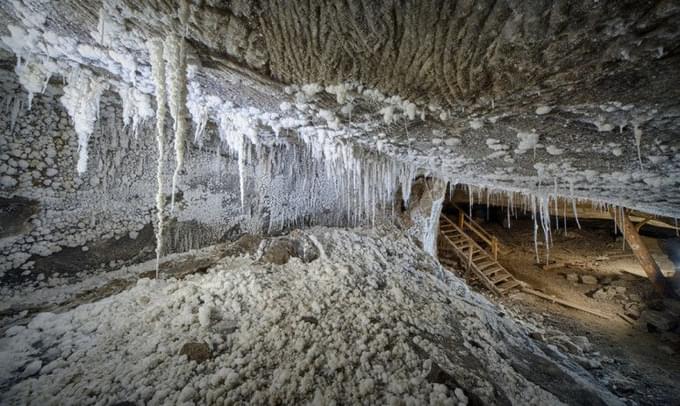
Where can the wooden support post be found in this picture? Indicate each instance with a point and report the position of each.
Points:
(461, 219)
(494, 248)
(646, 260)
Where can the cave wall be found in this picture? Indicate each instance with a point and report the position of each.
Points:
(54, 220)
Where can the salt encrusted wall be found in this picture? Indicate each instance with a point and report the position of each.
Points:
(52, 219)
(421, 216)
(112, 200)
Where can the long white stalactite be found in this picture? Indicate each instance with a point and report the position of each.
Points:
(176, 68)
(177, 95)
(158, 72)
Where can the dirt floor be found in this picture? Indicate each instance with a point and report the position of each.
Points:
(590, 268)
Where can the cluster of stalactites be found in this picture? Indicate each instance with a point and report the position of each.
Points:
(81, 100)
(549, 211)
(169, 70)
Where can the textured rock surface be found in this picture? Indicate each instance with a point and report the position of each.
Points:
(330, 108)
(373, 320)
(539, 96)
(54, 220)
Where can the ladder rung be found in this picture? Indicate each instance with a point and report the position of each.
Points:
(507, 285)
(484, 265)
(501, 278)
(492, 270)
(489, 264)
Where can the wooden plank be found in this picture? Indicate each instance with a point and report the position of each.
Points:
(567, 303)
(626, 319)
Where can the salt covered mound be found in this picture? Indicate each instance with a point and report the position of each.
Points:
(353, 317)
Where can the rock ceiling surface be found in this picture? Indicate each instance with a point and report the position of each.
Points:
(543, 97)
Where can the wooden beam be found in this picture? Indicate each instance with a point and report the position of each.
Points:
(567, 303)
(649, 265)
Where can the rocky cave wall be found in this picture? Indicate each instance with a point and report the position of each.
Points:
(53, 219)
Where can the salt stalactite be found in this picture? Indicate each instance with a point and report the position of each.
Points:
(637, 133)
(81, 99)
(34, 75)
(573, 204)
(544, 212)
(176, 67)
(136, 106)
(158, 72)
(534, 218)
(234, 129)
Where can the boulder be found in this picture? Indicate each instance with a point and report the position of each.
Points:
(572, 277)
(672, 307)
(666, 349)
(588, 280)
(198, 352)
(632, 310)
(654, 320)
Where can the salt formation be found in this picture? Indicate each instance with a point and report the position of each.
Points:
(174, 55)
(176, 67)
(372, 320)
(33, 76)
(527, 141)
(81, 99)
(158, 71)
(235, 130)
(136, 106)
(637, 134)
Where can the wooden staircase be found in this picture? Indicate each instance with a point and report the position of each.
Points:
(470, 254)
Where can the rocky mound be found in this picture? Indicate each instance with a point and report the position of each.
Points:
(370, 319)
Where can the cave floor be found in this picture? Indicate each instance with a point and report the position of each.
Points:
(590, 268)
(634, 364)
(355, 316)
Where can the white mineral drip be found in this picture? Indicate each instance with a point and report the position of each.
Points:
(81, 99)
(158, 72)
(33, 76)
(535, 220)
(176, 70)
(565, 217)
(233, 133)
(136, 106)
(544, 212)
(637, 133)
(623, 230)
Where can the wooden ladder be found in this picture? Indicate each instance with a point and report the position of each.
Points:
(475, 259)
